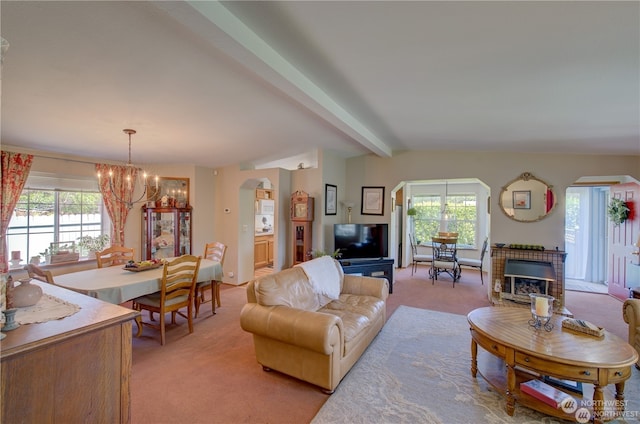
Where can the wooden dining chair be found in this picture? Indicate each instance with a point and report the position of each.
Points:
(39, 274)
(114, 255)
(214, 251)
(177, 290)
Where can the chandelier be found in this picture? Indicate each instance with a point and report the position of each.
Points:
(446, 215)
(131, 179)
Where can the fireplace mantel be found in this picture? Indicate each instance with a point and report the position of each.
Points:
(499, 255)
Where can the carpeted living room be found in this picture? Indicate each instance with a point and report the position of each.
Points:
(416, 370)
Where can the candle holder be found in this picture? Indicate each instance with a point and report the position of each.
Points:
(541, 311)
(10, 319)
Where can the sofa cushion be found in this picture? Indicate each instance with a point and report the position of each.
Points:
(357, 313)
(289, 287)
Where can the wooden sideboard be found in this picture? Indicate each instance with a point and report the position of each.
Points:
(73, 370)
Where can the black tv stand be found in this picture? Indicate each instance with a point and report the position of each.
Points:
(370, 267)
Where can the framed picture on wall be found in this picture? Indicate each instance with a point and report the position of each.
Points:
(175, 189)
(522, 199)
(372, 201)
(330, 199)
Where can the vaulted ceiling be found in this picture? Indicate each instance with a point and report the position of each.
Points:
(218, 83)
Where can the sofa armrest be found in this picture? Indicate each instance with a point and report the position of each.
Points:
(631, 313)
(315, 331)
(366, 286)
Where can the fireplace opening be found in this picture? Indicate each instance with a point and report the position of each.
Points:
(524, 277)
(526, 286)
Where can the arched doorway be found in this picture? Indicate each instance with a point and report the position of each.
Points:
(600, 253)
(471, 192)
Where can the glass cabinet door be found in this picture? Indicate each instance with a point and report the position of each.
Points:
(184, 236)
(163, 243)
(166, 232)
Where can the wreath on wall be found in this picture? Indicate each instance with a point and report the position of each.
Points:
(618, 211)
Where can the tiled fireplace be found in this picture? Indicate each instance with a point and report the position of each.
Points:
(553, 260)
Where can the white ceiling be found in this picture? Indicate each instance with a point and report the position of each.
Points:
(215, 84)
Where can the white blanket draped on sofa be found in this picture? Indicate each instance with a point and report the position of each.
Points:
(324, 276)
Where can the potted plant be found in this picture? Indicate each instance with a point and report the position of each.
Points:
(91, 245)
(618, 211)
(318, 253)
(46, 255)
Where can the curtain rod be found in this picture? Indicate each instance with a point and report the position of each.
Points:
(17, 149)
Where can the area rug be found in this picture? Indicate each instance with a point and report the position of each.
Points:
(417, 370)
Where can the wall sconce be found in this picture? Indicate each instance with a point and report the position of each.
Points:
(349, 206)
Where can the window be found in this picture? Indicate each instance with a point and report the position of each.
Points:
(43, 216)
(428, 219)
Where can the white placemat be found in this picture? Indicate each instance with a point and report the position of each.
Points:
(48, 308)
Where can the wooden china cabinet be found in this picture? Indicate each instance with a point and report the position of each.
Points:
(166, 232)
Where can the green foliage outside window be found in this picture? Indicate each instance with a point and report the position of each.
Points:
(45, 216)
(426, 221)
(70, 202)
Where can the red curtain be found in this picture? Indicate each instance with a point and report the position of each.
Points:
(550, 200)
(15, 170)
(118, 204)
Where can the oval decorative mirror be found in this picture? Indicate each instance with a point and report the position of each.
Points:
(527, 199)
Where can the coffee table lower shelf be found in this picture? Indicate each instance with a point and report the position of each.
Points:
(493, 370)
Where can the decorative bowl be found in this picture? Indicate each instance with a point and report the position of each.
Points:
(500, 245)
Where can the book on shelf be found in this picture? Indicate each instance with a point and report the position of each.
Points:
(544, 392)
(573, 386)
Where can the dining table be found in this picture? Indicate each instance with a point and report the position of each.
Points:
(116, 284)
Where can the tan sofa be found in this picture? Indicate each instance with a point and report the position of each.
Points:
(303, 330)
(631, 315)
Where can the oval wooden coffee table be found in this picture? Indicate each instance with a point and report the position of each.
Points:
(528, 353)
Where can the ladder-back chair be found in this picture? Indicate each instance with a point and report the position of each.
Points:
(214, 251)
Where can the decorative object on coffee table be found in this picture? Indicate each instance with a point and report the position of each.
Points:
(541, 311)
(582, 326)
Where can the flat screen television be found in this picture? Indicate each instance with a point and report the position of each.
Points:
(361, 240)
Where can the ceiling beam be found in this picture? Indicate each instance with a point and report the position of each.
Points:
(245, 46)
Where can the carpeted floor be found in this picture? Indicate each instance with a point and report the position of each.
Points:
(418, 371)
(211, 376)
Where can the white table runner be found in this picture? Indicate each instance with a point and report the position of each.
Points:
(48, 308)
